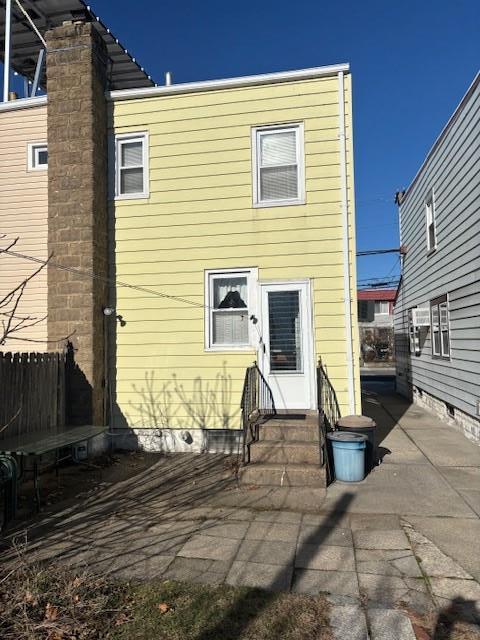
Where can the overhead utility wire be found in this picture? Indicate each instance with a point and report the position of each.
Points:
(119, 283)
(32, 24)
(375, 252)
(90, 274)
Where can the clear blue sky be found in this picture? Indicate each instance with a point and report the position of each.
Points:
(411, 62)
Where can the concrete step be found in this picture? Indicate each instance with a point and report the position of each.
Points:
(293, 420)
(281, 475)
(286, 452)
(282, 432)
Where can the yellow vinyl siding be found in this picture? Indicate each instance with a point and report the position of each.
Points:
(199, 216)
(24, 214)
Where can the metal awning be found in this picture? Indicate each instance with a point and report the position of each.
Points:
(125, 72)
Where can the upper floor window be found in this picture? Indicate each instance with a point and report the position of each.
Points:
(430, 222)
(278, 165)
(37, 156)
(131, 165)
(230, 299)
(440, 327)
(382, 308)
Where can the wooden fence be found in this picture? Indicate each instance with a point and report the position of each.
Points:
(32, 393)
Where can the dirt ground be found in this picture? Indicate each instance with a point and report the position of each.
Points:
(77, 482)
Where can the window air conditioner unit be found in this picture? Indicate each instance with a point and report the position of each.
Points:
(421, 317)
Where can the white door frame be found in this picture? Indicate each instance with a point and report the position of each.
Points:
(308, 326)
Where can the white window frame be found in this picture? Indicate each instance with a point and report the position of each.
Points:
(251, 273)
(33, 151)
(382, 313)
(430, 219)
(120, 139)
(437, 303)
(413, 334)
(257, 132)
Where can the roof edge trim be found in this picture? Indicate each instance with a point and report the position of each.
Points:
(23, 103)
(228, 83)
(450, 122)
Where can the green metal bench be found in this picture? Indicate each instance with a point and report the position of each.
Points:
(38, 445)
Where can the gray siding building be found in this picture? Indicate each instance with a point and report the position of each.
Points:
(437, 311)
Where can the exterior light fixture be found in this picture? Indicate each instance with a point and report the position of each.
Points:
(108, 311)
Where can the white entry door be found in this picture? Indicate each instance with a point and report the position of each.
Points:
(286, 351)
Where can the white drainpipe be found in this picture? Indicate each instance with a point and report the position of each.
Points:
(7, 51)
(346, 242)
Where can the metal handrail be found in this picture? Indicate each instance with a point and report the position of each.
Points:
(257, 404)
(328, 412)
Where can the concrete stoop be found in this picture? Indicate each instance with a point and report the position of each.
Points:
(287, 454)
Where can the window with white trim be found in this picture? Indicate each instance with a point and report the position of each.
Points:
(278, 165)
(430, 222)
(440, 327)
(382, 308)
(37, 156)
(413, 334)
(229, 306)
(131, 166)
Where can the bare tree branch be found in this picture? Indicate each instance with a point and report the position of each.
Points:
(23, 284)
(10, 302)
(5, 426)
(12, 244)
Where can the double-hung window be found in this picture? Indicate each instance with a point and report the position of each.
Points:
(37, 158)
(278, 165)
(131, 166)
(430, 222)
(229, 297)
(440, 327)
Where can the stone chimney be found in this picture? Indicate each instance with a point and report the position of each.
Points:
(77, 209)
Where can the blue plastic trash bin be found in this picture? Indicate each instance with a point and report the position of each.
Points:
(367, 427)
(348, 455)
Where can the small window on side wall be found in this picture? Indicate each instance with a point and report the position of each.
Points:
(430, 222)
(131, 166)
(229, 304)
(278, 165)
(37, 156)
(440, 327)
(381, 308)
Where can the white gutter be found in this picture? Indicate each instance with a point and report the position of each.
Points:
(23, 103)
(228, 83)
(346, 242)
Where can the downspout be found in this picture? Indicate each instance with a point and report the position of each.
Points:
(346, 242)
(7, 49)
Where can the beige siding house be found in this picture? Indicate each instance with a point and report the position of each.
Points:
(24, 212)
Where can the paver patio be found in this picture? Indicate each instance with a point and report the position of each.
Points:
(185, 518)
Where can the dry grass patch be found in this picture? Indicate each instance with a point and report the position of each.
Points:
(54, 602)
(179, 611)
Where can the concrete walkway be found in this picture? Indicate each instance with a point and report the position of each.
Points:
(404, 540)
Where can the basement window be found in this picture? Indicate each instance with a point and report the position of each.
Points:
(37, 156)
(278, 166)
(229, 297)
(131, 166)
